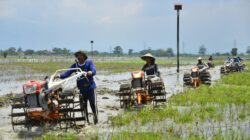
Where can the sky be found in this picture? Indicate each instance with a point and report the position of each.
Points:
(131, 24)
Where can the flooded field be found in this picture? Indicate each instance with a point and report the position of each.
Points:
(108, 103)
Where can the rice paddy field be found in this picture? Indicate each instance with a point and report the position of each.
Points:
(110, 64)
(220, 111)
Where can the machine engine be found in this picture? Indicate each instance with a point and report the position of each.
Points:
(138, 80)
(35, 95)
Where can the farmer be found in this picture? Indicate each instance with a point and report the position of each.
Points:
(88, 93)
(229, 60)
(201, 65)
(236, 60)
(150, 67)
(210, 58)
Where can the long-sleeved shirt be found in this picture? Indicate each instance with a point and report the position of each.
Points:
(86, 66)
(202, 66)
(150, 69)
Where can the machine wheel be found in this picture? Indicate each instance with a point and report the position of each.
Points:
(205, 78)
(233, 69)
(18, 113)
(157, 90)
(222, 70)
(66, 103)
(187, 79)
(125, 96)
(79, 117)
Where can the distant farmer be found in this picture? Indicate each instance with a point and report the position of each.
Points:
(240, 58)
(87, 92)
(150, 67)
(201, 65)
(210, 58)
(229, 60)
(236, 60)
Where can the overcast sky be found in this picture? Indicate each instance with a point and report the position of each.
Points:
(43, 24)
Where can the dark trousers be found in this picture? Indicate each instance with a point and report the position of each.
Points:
(90, 96)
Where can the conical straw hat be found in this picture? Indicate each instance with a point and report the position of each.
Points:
(147, 55)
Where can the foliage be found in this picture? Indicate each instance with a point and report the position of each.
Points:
(29, 52)
(61, 51)
(130, 51)
(159, 52)
(202, 50)
(5, 54)
(118, 50)
(234, 51)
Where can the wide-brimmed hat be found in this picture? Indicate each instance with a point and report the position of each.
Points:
(148, 55)
(81, 53)
(199, 58)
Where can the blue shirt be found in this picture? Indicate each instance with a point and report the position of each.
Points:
(87, 66)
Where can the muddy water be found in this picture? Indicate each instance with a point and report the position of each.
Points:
(108, 104)
(12, 78)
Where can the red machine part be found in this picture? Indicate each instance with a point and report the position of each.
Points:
(38, 84)
(45, 116)
(138, 74)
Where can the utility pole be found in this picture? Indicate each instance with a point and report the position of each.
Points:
(178, 7)
(92, 53)
(144, 45)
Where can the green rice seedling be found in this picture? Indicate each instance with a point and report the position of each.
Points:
(144, 116)
(184, 118)
(67, 136)
(112, 66)
(125, 135)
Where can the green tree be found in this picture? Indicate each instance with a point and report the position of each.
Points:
(159, 52)
(57, 50)
(66, 51)
(19, 50)
(42, 52)
(202, 50)
(5, 53)
(118, 50)
(142, 52)
(169, 52)
(234, 51)
(130, 51)
(11, 51)
(29, 52)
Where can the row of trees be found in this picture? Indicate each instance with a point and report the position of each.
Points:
(234, 51)
(118, 50)
(21, 52)
(63, 51)
(158, 52)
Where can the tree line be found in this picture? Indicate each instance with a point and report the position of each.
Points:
(20, 52)
(233, 52)
(117, 51)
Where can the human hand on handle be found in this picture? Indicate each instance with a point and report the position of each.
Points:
(89, 73)
(56, 77)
